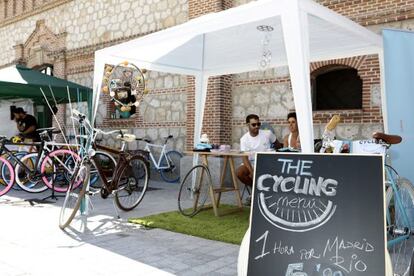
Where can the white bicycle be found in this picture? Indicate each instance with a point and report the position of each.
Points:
(168, 162)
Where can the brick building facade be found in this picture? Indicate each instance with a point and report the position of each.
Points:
(66, 33)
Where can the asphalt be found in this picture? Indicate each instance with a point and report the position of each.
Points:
(31, 242)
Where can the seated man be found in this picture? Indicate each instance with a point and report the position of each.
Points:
(255, 140)
(26, 124)
(292, 139)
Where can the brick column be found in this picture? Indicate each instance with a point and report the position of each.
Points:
(217, 113)
(59, 71)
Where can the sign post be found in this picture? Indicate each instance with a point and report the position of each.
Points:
(316, 214)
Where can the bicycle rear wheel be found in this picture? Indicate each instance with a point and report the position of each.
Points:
(401, 253)
(26, 177)
(194, 190)
(106, 163)
(74, 196)
(7, 176)
(171, 160)
(132, 183)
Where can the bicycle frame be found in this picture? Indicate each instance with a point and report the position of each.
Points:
(157, 164)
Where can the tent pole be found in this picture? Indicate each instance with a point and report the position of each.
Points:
(383, 91)
(295, 32)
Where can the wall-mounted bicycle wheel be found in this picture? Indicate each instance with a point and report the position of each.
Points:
(131, 185)
(194, 190)
(171, 160)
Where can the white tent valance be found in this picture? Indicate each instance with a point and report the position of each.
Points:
(229, 42)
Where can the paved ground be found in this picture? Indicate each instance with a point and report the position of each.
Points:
(31, 242)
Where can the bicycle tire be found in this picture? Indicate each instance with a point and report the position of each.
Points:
(193, 191)
(23, 177)
(74, 196)
(401, 253)
(7, 178)
(107, 164)
(130, 188)
(171, 174)
(9, 158)
(48, 164)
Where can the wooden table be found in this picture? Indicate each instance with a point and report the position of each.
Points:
(216, 190)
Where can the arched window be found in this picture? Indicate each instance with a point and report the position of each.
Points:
(336, 87)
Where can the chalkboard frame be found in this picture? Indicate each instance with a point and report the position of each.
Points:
(382, 247)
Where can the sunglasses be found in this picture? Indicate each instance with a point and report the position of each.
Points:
(256, 124)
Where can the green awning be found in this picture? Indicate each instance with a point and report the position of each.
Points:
(18, 81)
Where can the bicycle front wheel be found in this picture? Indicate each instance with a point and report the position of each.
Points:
(171, 160)
(194, 190)
(132, 183)
(7, 176)
(74, 195)
(401, 219)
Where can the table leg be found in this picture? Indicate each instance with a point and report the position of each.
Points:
(211, 188)
(223, 174)
(235, 183)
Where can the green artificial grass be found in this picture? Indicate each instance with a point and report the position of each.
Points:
(228, 228)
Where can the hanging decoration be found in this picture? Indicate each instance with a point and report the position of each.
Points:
(266, 54)
(126, 85)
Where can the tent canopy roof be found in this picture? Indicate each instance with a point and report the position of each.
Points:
(229, 41)
(18, 81)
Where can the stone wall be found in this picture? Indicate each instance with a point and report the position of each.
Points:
(78, 28)
(92, 22)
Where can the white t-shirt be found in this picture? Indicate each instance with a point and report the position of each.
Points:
(261, 142)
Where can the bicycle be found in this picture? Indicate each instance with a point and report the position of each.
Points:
(51, 167)
(194, 190)
(399, 199)
(43, 167)
(168, 162)
(127, 185)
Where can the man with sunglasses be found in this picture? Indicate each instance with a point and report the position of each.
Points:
(255, 140)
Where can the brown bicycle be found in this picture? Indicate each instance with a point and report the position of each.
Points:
(128, 183)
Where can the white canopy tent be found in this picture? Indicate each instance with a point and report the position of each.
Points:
(229, 42)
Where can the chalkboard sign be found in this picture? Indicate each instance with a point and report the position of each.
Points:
(317, 214)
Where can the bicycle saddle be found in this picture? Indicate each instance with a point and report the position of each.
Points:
(126, 137)
(143, 139)
(387, 138)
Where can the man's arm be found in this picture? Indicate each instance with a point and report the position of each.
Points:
(20, 127)
(29, 130)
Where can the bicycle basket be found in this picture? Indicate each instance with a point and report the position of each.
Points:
(368, 146)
